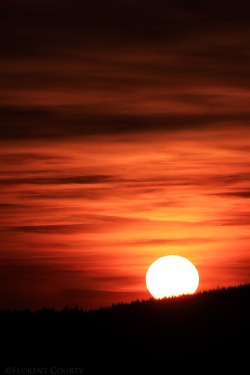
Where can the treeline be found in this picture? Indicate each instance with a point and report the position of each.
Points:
(211, 326)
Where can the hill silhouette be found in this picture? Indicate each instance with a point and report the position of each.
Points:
(206, 331)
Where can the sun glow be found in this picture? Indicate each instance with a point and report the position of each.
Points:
(171, 275)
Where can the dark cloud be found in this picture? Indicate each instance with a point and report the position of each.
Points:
(12, 206)
(72, 69)
(73, 194)
(90, 224)
(61, 23)
(169, 241)
(22, 157)
(230, 218)
(222, 181)
(58, 180)
(23, 123)
(44, 125)
(233, 178)
(236, 194)
(118, 279)
(55, 228)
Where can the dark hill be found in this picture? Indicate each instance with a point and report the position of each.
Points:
(204, 332)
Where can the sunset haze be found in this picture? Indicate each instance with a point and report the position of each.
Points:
(124, 137)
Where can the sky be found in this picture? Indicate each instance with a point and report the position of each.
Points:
(124, 137)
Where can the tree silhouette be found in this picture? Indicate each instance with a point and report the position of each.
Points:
(211, 326)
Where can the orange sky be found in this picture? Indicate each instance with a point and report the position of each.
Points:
(83, 219)
(124, 136)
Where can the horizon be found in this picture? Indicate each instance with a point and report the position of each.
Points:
(69, 309)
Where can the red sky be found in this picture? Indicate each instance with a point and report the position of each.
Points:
(124, 136)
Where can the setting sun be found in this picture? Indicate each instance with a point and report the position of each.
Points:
(172, 275)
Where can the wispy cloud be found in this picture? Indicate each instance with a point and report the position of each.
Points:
(237, 194)
(58, 180)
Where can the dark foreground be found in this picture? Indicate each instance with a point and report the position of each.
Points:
(205, 333)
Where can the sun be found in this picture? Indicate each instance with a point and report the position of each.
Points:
(172, 275)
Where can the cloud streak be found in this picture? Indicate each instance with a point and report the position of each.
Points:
(58, 180)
